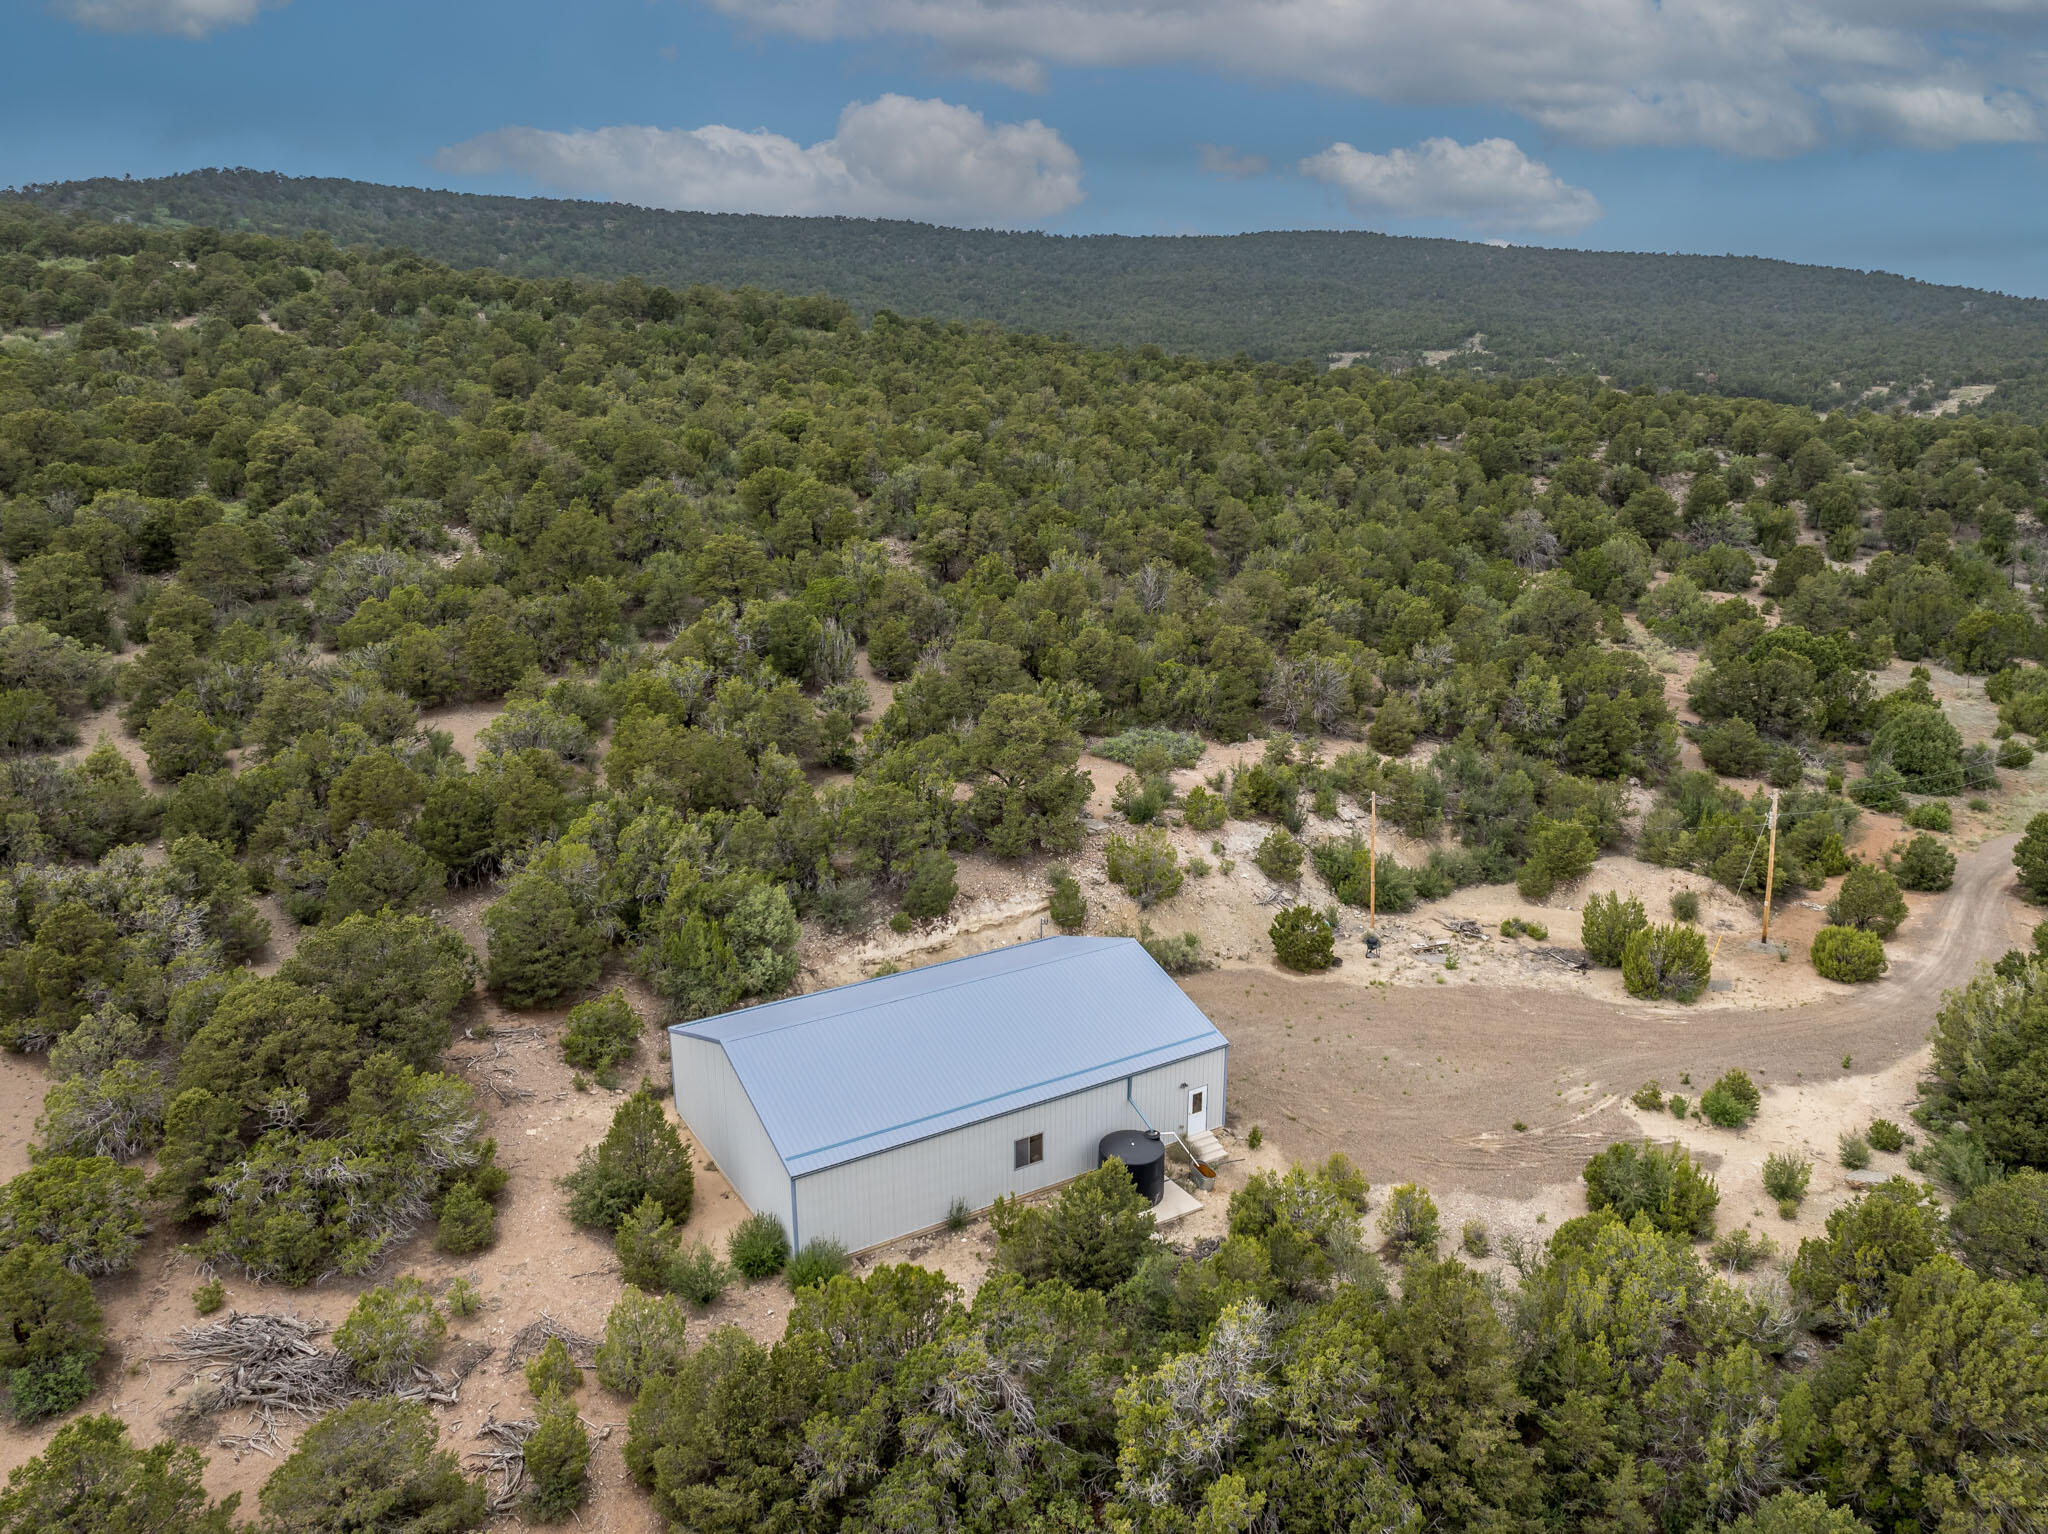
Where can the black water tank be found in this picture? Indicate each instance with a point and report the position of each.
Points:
(1144, 1153)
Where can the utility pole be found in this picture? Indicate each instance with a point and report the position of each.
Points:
(1372, 871)
(1771, 866)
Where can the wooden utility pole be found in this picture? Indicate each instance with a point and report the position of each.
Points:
(1770, 865)
(1372, 871)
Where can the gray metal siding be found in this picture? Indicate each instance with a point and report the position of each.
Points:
(713, 1103)
(910, 1187)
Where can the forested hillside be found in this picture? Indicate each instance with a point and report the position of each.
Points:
(278, 503)
(1737, 325)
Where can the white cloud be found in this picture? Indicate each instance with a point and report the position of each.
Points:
(1222, 160)
(894, 157)
(180, 18)
(1930, 115)
(1755, 77)
(1489, 185)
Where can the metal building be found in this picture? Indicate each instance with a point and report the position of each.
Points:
(866, 1112)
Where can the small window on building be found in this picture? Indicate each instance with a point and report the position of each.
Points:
(1030, 1151)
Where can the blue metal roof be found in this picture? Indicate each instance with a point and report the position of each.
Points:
(841, 1074)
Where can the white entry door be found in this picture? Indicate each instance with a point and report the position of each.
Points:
(1198, 1110)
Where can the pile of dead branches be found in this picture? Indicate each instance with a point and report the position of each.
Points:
(535, 1335)
(266, 1363)
(502, 1465)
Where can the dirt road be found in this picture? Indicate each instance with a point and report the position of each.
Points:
(1427, 1083)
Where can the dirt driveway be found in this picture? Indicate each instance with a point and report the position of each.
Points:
(1426, 1083)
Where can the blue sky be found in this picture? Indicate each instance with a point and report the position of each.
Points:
(1901, 134)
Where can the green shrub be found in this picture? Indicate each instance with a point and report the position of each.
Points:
(1740, 1250)
(640, 1157)
(1279, 856)
(1666, 964)
(557, 1461)
(1849, 1276)
(1176, 955)
(2030, 857)
(648, 1245)
(1606, 925)
(1515, 926)
(1151, 748)
(1787, 1177)
(1649, 1097)
(371, 1465)
(1847, 955)
(1787, 769)
(1733, 749)
(758, 1246)
(1958, 1161)
(1409, 1223)
(2002, 1228)
(1886, 1136)
(1881, 788)
(49, 1388)
(933, 885)
(1990, 1058)
(1203, 810)
(1855, 1152)
(209, 1297)
(1678, 1105)
(1732, 1101)
(462, 1299)
(1923, 746)
(1924, 864)
(552, 1371)
(1869, 900)
(392, 1330)
(2015, 754)
(88, 1210)
(1068, 907)
(1933, 815)
(1685, 906)
(1561, 852)
(1255, 1139)
(959, 1215)
(644, 1336)
(1092, 1236)
(467, 1224)
(1142, 800)
(698, 1276)
(821, 1260)
(540, 947)
(1303, 939)
(1658, 1182)
(1145, 866)
(601, 1033)
(93, 1480)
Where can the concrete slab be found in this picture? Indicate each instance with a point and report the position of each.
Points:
(1177, 1204)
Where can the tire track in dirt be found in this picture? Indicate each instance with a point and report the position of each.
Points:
(1427, 1083)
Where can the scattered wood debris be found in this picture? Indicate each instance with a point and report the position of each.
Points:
(534, 1336)
(267, 1362)
(492, 1068)
(1570, 958)
(502, 1466)
(1463, 926)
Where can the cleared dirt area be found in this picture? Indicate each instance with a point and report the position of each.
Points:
(1426, 1083)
